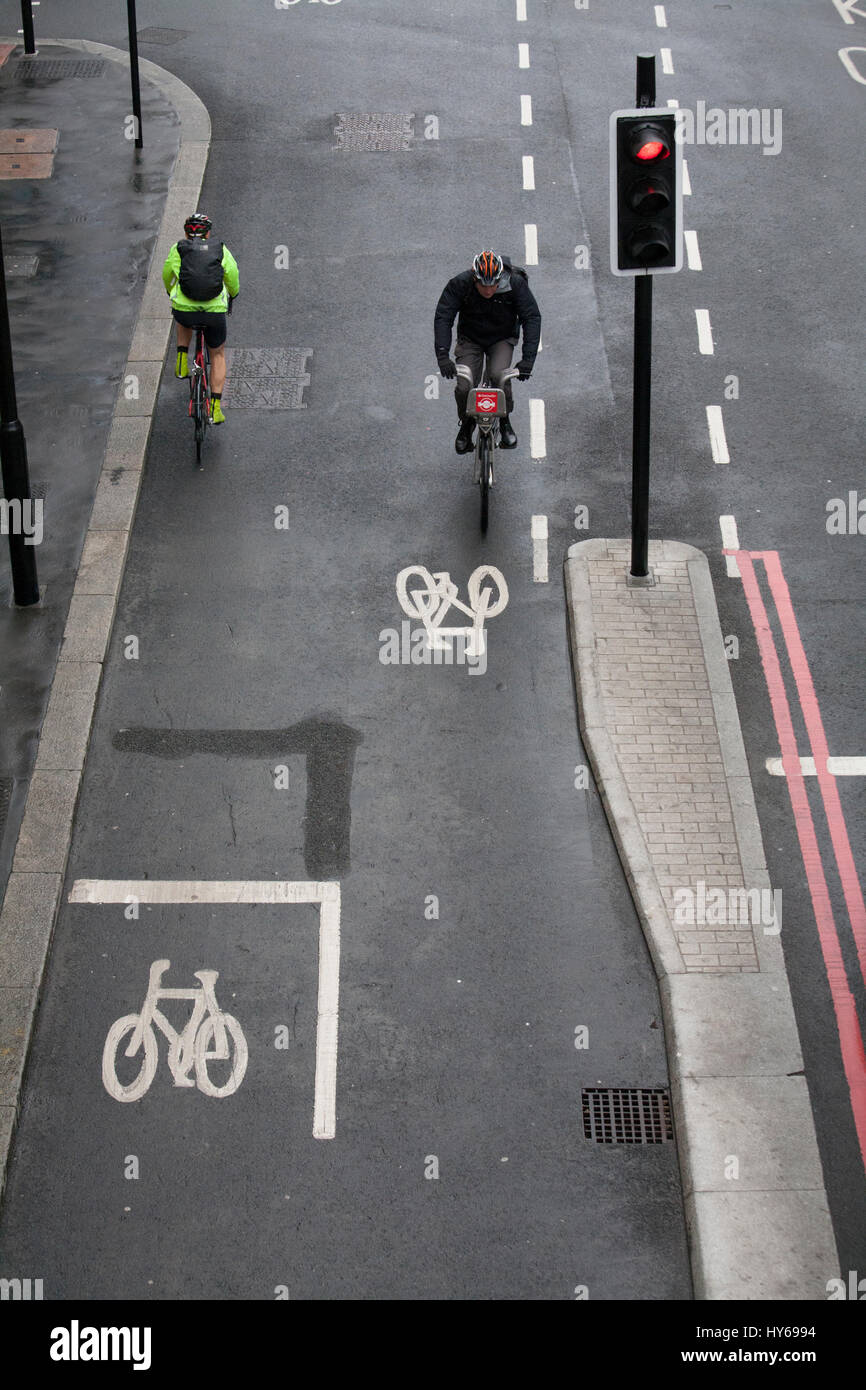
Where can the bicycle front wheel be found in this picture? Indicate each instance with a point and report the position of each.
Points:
(485, 465)
(118, 1033)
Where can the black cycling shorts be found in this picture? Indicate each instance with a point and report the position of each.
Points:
(214, 324)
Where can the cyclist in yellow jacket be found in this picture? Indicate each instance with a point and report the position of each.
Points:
(200, 278)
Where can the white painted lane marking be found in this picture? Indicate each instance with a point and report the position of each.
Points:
(667, 60)
(539, 550)
(687, 183)
(672, 101)
(730, 541)
(705, 332)
(528, 172)
(839, 767)
(526, 110)
(327, 895)
(661, 17)
(537, 430)
(523, 55)
(530, 239)
(693, 255)
(718, 442)
(521, 11)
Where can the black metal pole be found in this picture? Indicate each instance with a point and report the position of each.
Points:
(13, 461)
(27, 26)
(133, 71)
(640, 456)
(645, 95)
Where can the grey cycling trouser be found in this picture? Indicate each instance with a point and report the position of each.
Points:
(472, 356)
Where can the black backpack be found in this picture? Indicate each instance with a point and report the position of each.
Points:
(201, 269)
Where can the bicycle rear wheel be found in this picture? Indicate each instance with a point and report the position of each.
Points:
(485, 465)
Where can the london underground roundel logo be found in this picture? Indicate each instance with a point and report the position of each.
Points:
(485, 402)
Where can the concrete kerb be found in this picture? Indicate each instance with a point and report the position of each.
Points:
(33, 892)
(732, 1041)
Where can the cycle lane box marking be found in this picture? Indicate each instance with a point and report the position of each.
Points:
(101, 892)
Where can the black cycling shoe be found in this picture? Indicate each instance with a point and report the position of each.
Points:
(465, 435)
(507, 437)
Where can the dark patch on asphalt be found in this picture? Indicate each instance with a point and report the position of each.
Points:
(329, 747)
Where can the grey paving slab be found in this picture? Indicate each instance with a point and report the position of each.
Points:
(88, 627)
(66, 727)
(26, 922)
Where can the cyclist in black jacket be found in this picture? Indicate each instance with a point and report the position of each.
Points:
(491, 303)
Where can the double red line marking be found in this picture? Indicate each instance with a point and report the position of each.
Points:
(850, 1036)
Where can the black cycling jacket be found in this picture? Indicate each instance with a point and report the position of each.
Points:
(487, 321)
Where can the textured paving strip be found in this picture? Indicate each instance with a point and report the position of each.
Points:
(660, 725)
(33, 890)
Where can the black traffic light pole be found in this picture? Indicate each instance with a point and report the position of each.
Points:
(27, 27)
(133, 71)
(639, 575)
(13, 459)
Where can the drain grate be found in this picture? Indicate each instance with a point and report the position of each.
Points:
(629, 1116)
(49, 69)
(6, 785)
(267, 378)
(21, 266)
(374, 130)
(162, 35)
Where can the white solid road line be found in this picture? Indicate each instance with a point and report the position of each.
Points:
(526, 110)
(539, 550)
(693, 255)
(839, 767)
(687, 183)
(530, 239)
(537, 430)
(667, 61)
(528, 172)
(521, 10)
(705, 332)
(327, 895)
(730, 541)
(523, 55)
(661, 17)
(718, 442)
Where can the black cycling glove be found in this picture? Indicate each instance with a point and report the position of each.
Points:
(447, 367)
(524, 370)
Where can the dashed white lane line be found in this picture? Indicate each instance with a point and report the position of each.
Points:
(672, 101)
(521, 10)
(528, 171)
(537, 430)
(718, 442)
(687, 183)
(730, 541)
(539, 550)
(667, 60)
(530, 239)
(705, 332)
(327, 895)
(693, 255)
(526, 110)
(523, 55)
(838, 767)
(661, 17)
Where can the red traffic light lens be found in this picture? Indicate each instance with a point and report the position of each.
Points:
(649, 143)
(653, 149)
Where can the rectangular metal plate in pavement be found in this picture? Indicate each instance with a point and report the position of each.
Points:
(28, 141)
(266, 378)
(50, 69)
(374, 130)
(627, 1116)
(26, 166)
(22, 267)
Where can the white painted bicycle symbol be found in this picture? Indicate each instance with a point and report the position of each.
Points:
(437, 595)
(209, 1036)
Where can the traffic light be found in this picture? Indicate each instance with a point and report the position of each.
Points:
(646, 192)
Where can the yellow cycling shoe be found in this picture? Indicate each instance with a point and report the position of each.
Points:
(217, 417)
(181, 367)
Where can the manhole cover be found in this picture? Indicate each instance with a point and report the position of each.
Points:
(630, 1116)
(20, 266)
(162, 35)
(48, 69)
(267, 378)
(267, 362)
(374, 130)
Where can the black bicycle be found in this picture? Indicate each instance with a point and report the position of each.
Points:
(199, 390)
(485, 404)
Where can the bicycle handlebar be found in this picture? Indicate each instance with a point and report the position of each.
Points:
(466, 373)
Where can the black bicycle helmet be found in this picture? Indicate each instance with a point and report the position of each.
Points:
(197, 224)
(487, 267)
